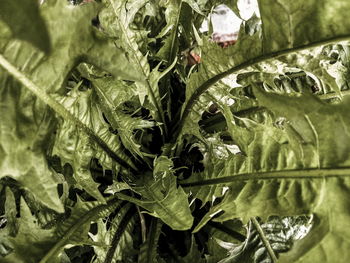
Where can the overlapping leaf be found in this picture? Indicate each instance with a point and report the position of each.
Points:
(113, 94)
(281, 233)
(272, 179)
(25, 127)
(116, 19)
(32, 243)
(76, 148)
(67, 25)
(287, 37)
(115, 244)
(162, 198)
(148, 250)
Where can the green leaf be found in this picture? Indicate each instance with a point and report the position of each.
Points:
(28, 159)
(116, 21)
(194, 255)
(293, 24)
(283, 34)
(34, 243)
(75, 229)
(272, 180)
(27, 125)
(281, 233)
(169, 49)
(31, 241)
(162, 198)
(112, 95)
(24, 20)
(78, 149)
(68, 25)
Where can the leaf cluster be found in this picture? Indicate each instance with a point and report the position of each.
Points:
(113, 148)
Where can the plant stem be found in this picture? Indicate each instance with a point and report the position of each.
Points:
(228, 231)
(150, 248)
(61, 110)
(283, 174)
(264, 240)
(116, 238)
(334, 94)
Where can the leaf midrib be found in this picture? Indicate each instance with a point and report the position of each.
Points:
(164, 208)
(62, 111)
(322, 173)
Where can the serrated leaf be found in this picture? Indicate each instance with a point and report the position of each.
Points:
(31, 241)
(163, 199)
(76, 148)
(116, 20)
(277, 182)
(217, 62)
(112, 94)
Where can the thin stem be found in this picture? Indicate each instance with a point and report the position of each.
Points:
(264, 239)
(333, 95)
(207, 84)
(61, 110)
(228, 231)
(143, 225)
(150, 248)
(118, 234)
(142, 222)
(283, 174)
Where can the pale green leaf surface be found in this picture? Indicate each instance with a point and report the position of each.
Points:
(291, 29)
(74, 230)
(76, 148)
(31, 242)
(116, 21)
(289, 24)
(67, 26)
(172, 16)
(26, 125)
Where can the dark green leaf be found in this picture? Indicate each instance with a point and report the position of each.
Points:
(24, 20)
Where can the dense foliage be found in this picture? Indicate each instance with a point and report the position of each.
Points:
(114, 147)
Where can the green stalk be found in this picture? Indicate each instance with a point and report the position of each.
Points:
(264, 240)
(284, 174)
